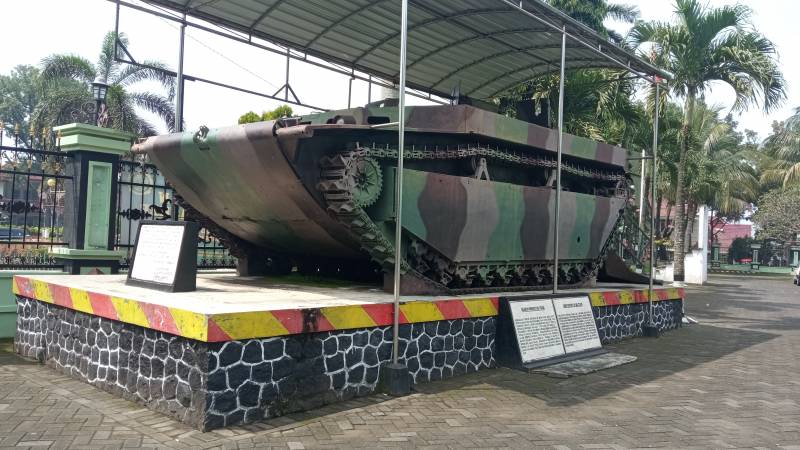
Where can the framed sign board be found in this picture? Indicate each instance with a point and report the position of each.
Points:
(538, 331)
(165, 256)
(576, 321)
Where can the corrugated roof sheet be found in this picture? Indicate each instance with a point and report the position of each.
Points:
(481, 47)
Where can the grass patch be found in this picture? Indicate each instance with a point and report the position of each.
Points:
(6, 345)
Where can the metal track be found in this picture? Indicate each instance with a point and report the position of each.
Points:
(497, 154)
(337, 186)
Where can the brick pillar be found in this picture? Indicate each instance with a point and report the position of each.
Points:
(90, 197)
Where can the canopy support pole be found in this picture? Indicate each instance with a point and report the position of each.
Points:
(557, 220)
(642, 186)
(179, 80)
(398, 196)
(651, 329)
(349, 91)
(396, 376)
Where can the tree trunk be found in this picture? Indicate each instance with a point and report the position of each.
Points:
(657, 211)
(680, 201)
(691, 211)
(668, 221)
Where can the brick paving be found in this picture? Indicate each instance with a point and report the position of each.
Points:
(730, 381)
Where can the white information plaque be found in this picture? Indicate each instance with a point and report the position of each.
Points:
(165, 256)
(576, 320)
(157, 252)
(536, 329)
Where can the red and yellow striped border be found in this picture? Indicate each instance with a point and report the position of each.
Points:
(171, 320)
(253, 324)
(629, 296)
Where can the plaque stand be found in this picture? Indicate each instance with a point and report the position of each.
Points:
(183, 275)
(508, 347)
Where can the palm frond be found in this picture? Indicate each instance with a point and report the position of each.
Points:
(107, 67)
(131, 74)
(56, 68)
(156, 104)
(622, 12)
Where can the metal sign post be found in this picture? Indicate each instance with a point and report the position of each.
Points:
(651, 329)
(557, 220)
(397, 378)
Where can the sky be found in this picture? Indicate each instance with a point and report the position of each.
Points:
(43, 27)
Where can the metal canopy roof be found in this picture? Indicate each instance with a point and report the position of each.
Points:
(481, 47)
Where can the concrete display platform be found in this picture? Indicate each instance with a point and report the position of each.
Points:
(227, 307)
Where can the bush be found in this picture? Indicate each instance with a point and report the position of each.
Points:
(740, 248)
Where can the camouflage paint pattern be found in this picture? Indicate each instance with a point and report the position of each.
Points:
(244, 183)
(471, 220)
(260, 182)
(465, 119)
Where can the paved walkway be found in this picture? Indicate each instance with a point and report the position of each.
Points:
(729, 382)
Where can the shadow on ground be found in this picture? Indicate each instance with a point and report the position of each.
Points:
(674, 352)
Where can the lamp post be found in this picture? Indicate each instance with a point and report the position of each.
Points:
(99, 92)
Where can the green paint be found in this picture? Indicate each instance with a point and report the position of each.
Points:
(580, 234)
(511, 129)
(229, 186)
(72, 253)
(506, 240)
(98, 205)
(582, 147)
(8, 305)
(413, 185)
(88, 269)
(383, 209)
(79, 136)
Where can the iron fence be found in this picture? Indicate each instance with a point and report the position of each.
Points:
(632, 243)
(32, 178)
(144, 194)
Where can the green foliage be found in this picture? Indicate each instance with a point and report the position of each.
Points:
(740, 248)
(704, 45)
(597, 102)
(277, 113)
(19, 95)
(65, 87)
(715, 44)
(593, 13)
(782, 157)
(249, 117)
(778, 215)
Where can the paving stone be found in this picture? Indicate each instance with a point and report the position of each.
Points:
(728, 381)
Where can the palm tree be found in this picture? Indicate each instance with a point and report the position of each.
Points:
(783, 150)
(593, 13)
(65, 90)
(597, 101)
(710, 44)
(721, 173)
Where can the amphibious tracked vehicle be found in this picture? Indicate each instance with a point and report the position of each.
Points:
(317, 193)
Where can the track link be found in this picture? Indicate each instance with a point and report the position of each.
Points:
(424, 262)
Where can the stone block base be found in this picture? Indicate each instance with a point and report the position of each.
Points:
(618, 322)
(214, 384)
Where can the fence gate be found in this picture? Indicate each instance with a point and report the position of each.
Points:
(144, 194)
(31, 202)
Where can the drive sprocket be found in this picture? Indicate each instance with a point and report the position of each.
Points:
(365, 179)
